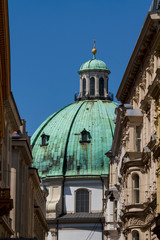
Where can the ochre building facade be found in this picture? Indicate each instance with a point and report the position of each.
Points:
(135, 153)
(22, 199)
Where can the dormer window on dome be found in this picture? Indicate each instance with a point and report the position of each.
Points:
(45, 139)
(85, 136)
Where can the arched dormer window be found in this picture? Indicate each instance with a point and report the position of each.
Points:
(45, 139)
(85, 136)
(92, 86)
(84, 86)
(82, 200)
(101, 87)
(136, 190)
(135, 235)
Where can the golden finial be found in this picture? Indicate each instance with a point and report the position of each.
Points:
(94, 50)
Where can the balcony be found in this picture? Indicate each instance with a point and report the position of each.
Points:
(6, 204)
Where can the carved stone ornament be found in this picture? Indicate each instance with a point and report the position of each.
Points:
(135, 222)
(149, 218)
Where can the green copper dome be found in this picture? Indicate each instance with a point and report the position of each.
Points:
(94, 64)
(66, 151)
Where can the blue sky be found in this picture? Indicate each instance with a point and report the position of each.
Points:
(51, 39)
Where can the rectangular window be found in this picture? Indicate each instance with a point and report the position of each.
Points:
(115, 210)
(138, 138)
(136, 196)
(82, 200)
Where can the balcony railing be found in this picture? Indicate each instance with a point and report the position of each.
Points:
(6, 203)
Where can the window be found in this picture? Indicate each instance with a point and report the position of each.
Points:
(92, 86)
(84, 86)
(85, 136)
(115, 210)
(82, 200)
(135, 235)
(45, 139)
(138, 138)
(136, 196)
(101, 87)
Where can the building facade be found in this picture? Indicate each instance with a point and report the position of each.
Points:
(69, 152)
(134, 156)
(22, 200)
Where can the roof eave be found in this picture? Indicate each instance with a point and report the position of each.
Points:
(139, 52)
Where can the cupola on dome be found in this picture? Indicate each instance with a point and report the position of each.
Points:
(94, 64)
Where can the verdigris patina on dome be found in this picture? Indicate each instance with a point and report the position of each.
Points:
(94, 64)
(65, 153)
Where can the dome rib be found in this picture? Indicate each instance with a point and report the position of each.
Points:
(44, 124)
(65, 150)
(65, 154)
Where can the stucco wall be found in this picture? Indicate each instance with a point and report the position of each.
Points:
(80, 234)
(96, 195)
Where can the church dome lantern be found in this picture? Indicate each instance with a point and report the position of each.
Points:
(94, 79)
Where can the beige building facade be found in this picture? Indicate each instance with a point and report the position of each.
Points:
(134, 157)
(22, 198)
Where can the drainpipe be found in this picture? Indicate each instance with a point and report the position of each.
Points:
(63, 194)
(103, 193)
(102, 206)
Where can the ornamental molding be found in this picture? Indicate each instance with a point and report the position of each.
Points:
(135, 222)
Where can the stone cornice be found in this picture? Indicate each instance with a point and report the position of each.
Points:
(131, 159)
(39, 214)
(12, 113)
(21, 144)
(4, 62)
(35, 177)
(4, 48)
(147, 34)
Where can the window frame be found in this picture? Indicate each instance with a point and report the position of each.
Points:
(92, 88)
(133, 235)
(84, 87)
(138, 138)
(101, 88)
(44, 140)
(89, 200)
(135, 189)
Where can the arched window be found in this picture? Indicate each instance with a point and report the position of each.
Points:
(101, 87)
(84, 86)
(135, 235)
(82, 200)
(92, 86)
(136, 196)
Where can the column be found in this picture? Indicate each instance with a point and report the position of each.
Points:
(96, 85)
(106, 86)
(81, 87)
(87, 85)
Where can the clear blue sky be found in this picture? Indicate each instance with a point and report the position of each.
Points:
(51, 39)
